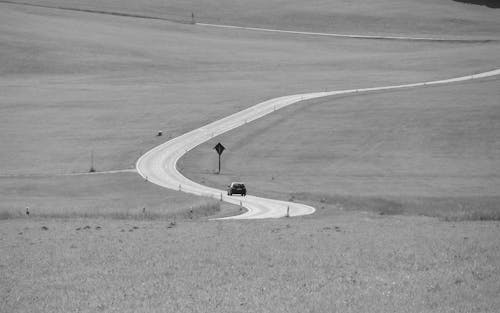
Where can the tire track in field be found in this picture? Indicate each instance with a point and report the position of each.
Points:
(351, 36)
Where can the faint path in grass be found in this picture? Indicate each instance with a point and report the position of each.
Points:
(352, 36)
(129, 170)
(159, 165)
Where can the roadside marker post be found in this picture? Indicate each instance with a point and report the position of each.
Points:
(92, 168)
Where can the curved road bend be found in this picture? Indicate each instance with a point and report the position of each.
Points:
(158, 165)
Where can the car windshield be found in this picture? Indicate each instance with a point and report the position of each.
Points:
(238, 185)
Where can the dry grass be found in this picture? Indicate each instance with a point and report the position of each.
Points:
(209, 208)
(448, 209)
(351, 262)
(116, 196)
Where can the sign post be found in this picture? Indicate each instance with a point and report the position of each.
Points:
(219, 148)
(92, 169)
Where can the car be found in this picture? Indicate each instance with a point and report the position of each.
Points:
(237, 187)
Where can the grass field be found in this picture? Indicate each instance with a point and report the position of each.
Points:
(116, 196)
(411, 17)
(75, 82)
(348, 263)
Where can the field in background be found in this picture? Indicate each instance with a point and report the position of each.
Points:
(409, 17)
(110, 83)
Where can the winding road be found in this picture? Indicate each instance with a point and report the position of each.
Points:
(158, 165)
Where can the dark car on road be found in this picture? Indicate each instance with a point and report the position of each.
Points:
(236, 187)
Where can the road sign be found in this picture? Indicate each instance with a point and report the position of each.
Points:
(219, 148)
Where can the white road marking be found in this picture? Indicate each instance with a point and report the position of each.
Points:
(159, 164)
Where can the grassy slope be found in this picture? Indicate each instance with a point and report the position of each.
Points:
(447, 132)
(412, 17)
(109, 83)
(120, 196)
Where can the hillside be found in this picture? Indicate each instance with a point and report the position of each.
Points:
(410, 17)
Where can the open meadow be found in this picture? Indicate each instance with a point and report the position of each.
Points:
(354, 262)
(404, 17)
(399, 179)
